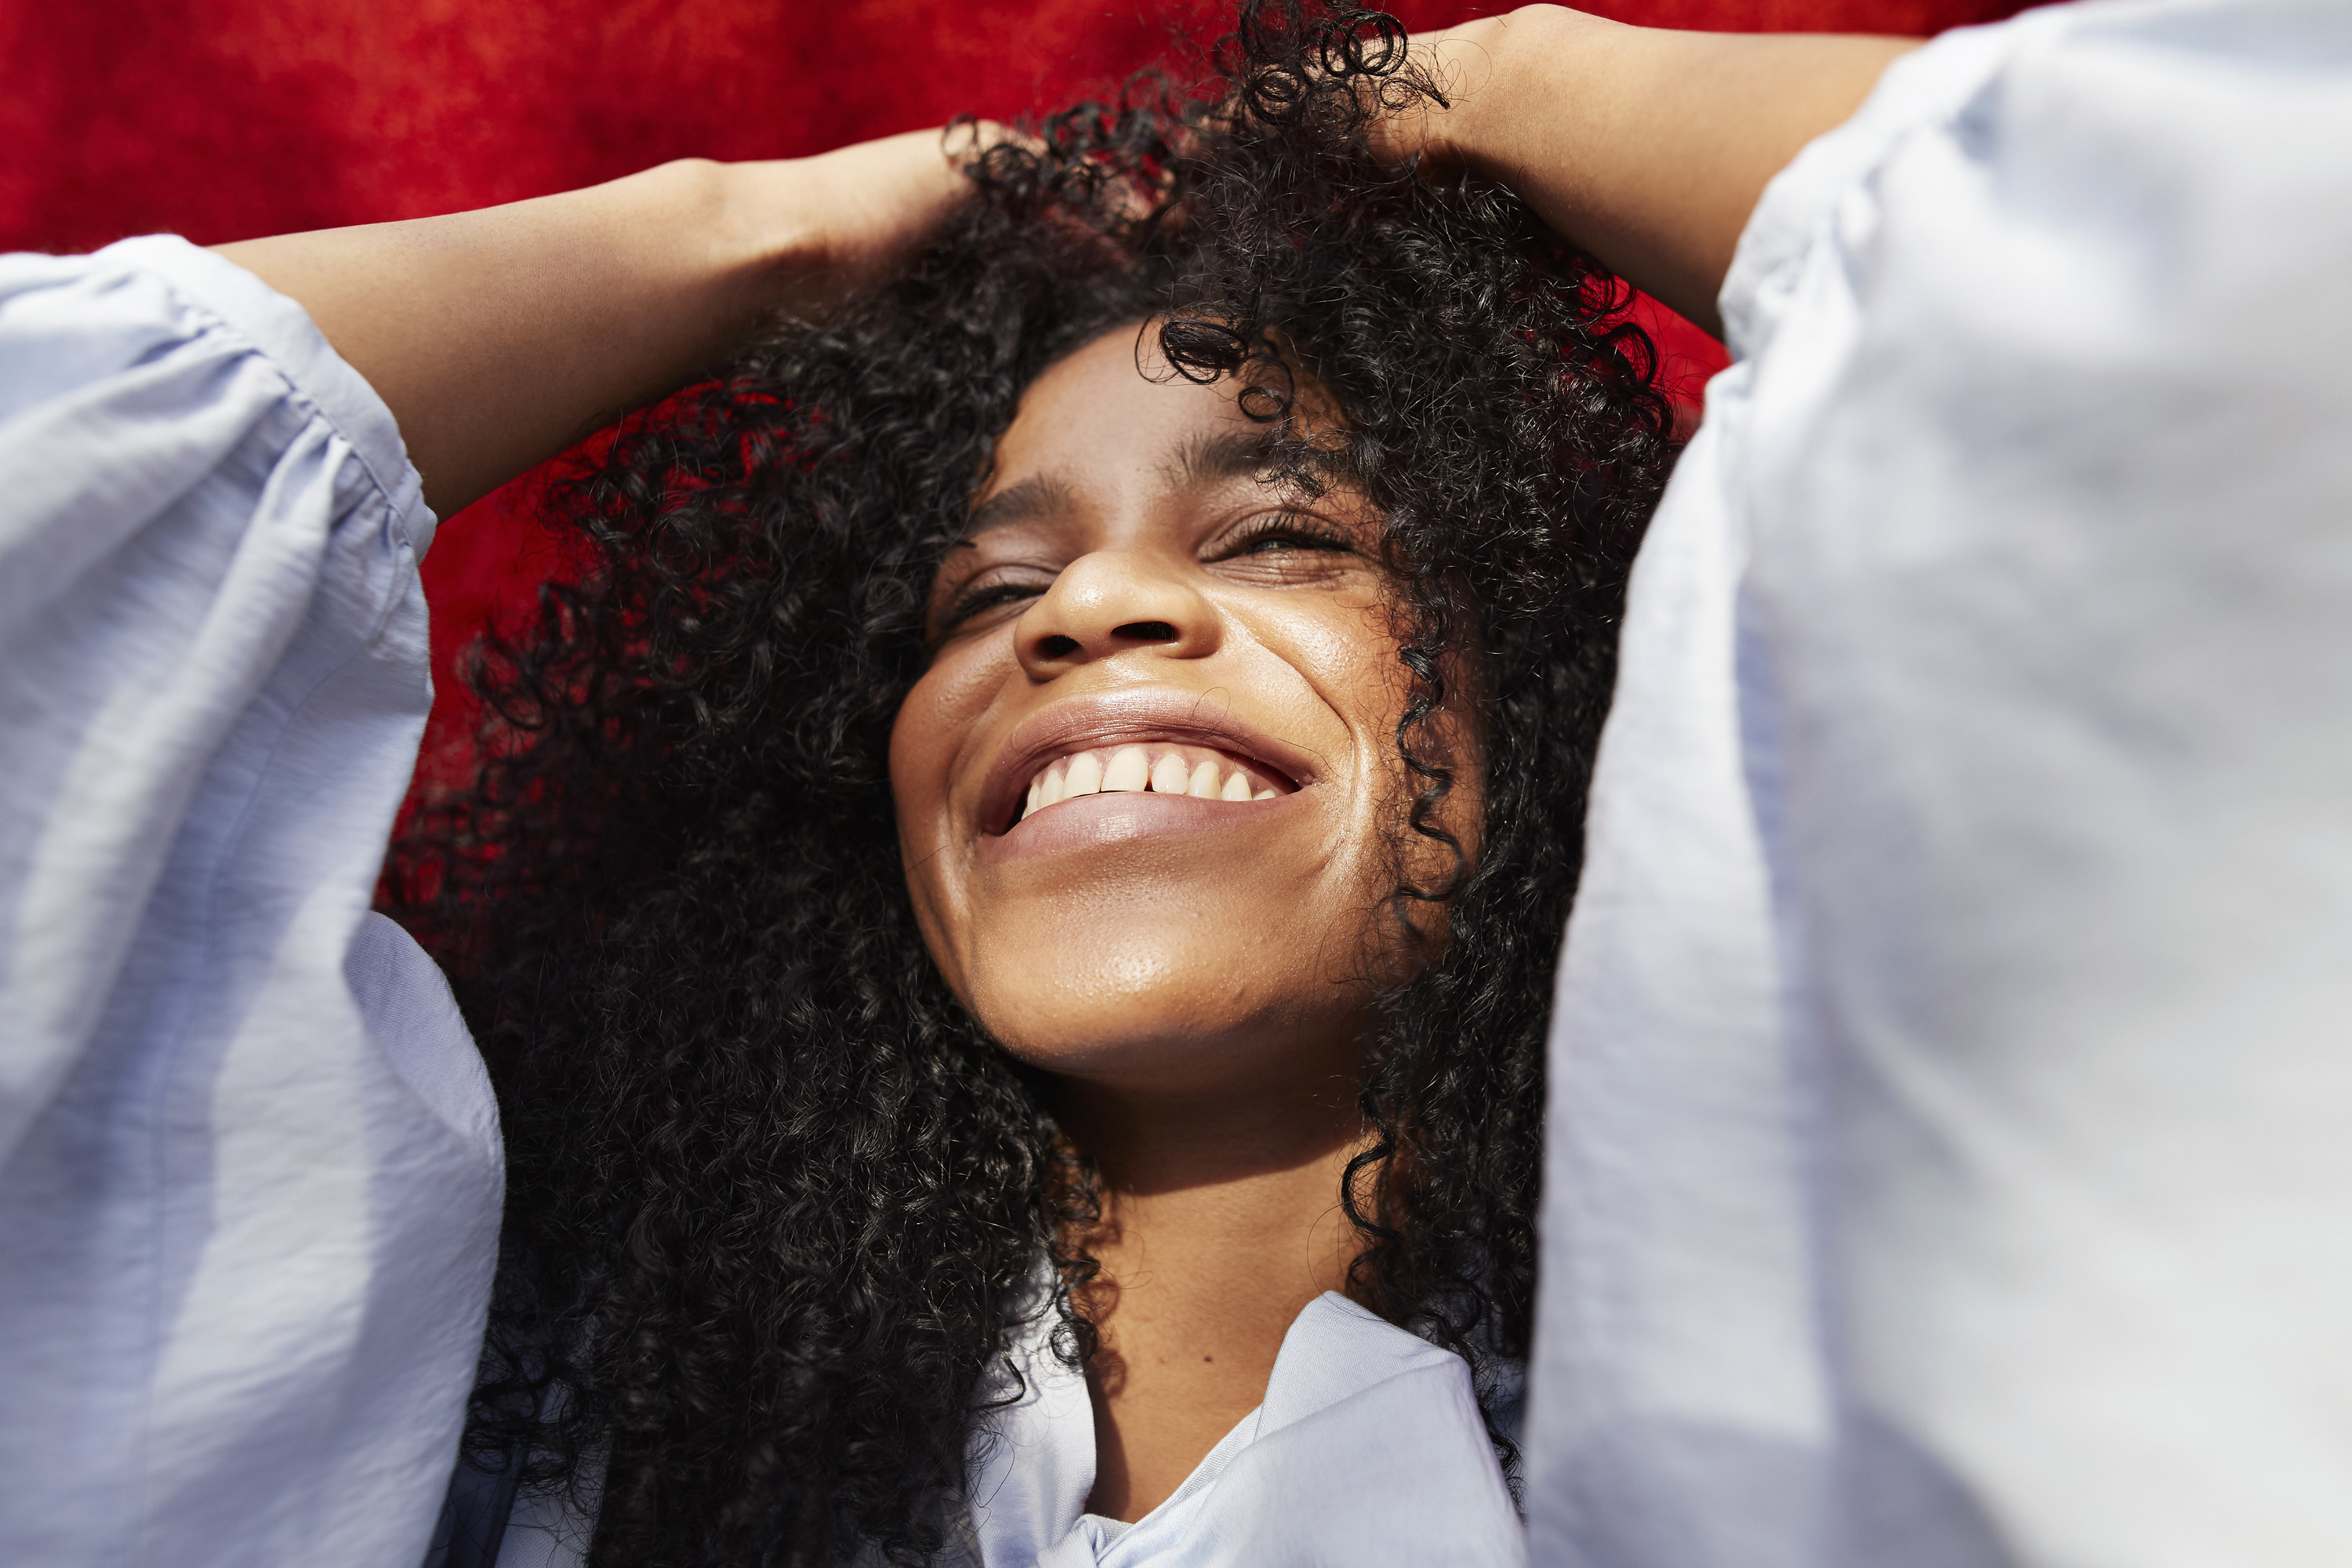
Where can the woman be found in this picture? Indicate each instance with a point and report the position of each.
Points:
(1946, 1159)
(849, 1145)
(1191, 582)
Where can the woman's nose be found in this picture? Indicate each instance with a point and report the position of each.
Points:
(1113, 601)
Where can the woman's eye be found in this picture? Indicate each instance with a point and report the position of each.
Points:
(1285, 531)
(1291, 545)
(979, 600)
(1282, 539)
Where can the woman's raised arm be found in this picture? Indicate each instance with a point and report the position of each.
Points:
(220, 1076)
(1647, 146)
(499, 337)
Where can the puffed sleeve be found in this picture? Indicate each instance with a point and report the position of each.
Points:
(1950, 1088)
(249, 1172)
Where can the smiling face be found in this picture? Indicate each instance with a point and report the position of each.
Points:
(1148, 789)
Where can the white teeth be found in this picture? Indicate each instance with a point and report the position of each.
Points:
(1133, 769)
(1129, 772)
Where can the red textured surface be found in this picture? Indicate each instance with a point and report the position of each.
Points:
(226, 118)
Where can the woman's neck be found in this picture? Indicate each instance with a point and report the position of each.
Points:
(1221, 1220)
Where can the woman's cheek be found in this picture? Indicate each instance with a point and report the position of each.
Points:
(934, 726)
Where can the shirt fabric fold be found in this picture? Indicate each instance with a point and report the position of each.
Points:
(250, 1167)
(1949, 1077)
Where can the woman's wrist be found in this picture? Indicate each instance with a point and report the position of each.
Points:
(1647, 146)
(799, 234)
(1553, 102)
(734, 241)
(768, 249)
(1489, 69)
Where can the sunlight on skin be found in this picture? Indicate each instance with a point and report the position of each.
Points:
(1197, 973)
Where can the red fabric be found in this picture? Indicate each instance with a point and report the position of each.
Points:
(226, 118)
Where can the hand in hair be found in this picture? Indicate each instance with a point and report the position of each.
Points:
(499, 337)
(1647, 146)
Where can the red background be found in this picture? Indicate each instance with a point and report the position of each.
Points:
(226, 118)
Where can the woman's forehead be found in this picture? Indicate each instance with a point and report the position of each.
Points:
(1167, 460)
(1111, 413)
(1111, 425)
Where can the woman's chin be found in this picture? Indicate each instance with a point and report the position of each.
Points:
(1213, 1025)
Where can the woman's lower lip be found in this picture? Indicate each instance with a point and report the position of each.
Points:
(1096, 821)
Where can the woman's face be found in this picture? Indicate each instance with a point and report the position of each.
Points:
(1147, 790)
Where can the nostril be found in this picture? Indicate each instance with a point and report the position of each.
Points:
(1148, 631)
(1057, 646)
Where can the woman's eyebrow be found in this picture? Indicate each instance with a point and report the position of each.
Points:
(1018, 503)
(1211, 456)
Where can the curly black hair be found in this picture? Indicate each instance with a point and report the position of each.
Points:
(775, 1200)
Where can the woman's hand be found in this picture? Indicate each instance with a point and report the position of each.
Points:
(1647, 147)
(855, 213)
(499, 337)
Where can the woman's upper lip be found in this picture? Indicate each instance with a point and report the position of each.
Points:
(1111, 718)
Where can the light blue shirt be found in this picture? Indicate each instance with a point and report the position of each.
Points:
(249, 1164)
(1369, 1448)
(1950, 1136)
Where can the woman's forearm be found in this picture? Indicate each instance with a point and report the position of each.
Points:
(1647, 147)
(499, 337)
